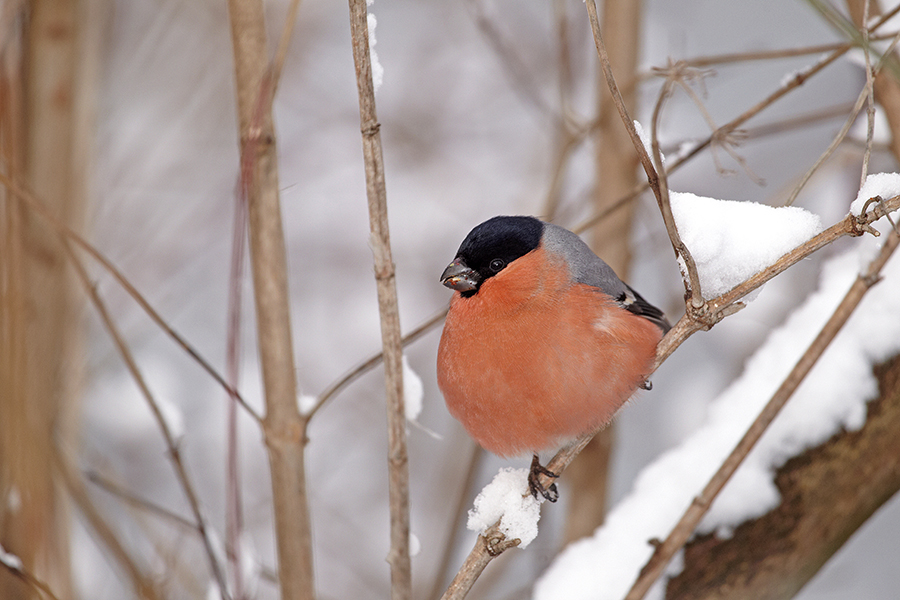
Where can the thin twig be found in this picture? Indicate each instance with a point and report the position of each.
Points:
(465, 492)
(385, 279)
(838, 139)
(31, 201)
(373, 361)
(691, 278)
(700, 505)
(870, 94)
(144, 586)
(866, 93)
(132, 499)
(169, 436)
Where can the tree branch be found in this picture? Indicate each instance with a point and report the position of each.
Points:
(826, 494)
(699, 507)
(398, 467)
(283, 426)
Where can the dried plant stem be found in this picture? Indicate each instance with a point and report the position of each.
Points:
(283, 426)
(385, 279)
(700, 505)
(64, 231)
(692, 279)
(169, 436)
(144, 586)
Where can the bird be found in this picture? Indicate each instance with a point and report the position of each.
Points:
(542, 341)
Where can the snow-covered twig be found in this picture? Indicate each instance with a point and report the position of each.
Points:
(385, 279)
(700, 505)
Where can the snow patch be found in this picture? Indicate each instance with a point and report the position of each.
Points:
(731, 241)
(506, 498)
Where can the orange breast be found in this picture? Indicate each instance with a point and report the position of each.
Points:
(533, 360)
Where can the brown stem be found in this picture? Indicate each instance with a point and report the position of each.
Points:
(283, 426)
(398, 460)
(169, 436)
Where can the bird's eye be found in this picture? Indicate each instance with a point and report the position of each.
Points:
(497, 265)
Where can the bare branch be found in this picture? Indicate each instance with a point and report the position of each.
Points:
(385, 279)
(168, 435)
(65, 232)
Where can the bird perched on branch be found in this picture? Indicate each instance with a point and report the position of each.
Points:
(542, 342)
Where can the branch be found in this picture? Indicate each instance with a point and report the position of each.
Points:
(698, 508)
(172, 446)
(283, 426)
(826, 494)
(67, 233)
(398, 460)
(654, 175)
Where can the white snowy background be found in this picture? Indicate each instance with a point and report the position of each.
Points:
(462, 143)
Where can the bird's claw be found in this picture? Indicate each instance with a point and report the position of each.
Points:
(535, 486)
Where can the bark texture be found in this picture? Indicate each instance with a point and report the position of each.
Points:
(827, 493)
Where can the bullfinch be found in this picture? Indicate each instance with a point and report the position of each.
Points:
(542, 342)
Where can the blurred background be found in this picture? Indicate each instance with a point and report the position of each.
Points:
(487, 107)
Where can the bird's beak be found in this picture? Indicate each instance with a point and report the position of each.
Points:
(458, 276)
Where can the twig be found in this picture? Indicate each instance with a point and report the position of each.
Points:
(283, 426)
(168, 436)
(870, 94)
(370, 363)
(866, 93)
(691, 277)
(385, 279)
(465, 492)
(144, 586)
(838, 139)
(130, 498)
(700, 505)
(795, 82)
(29, 199)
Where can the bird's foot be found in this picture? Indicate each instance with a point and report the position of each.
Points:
(534, 481)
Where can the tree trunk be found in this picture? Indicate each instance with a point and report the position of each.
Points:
(826, 494)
